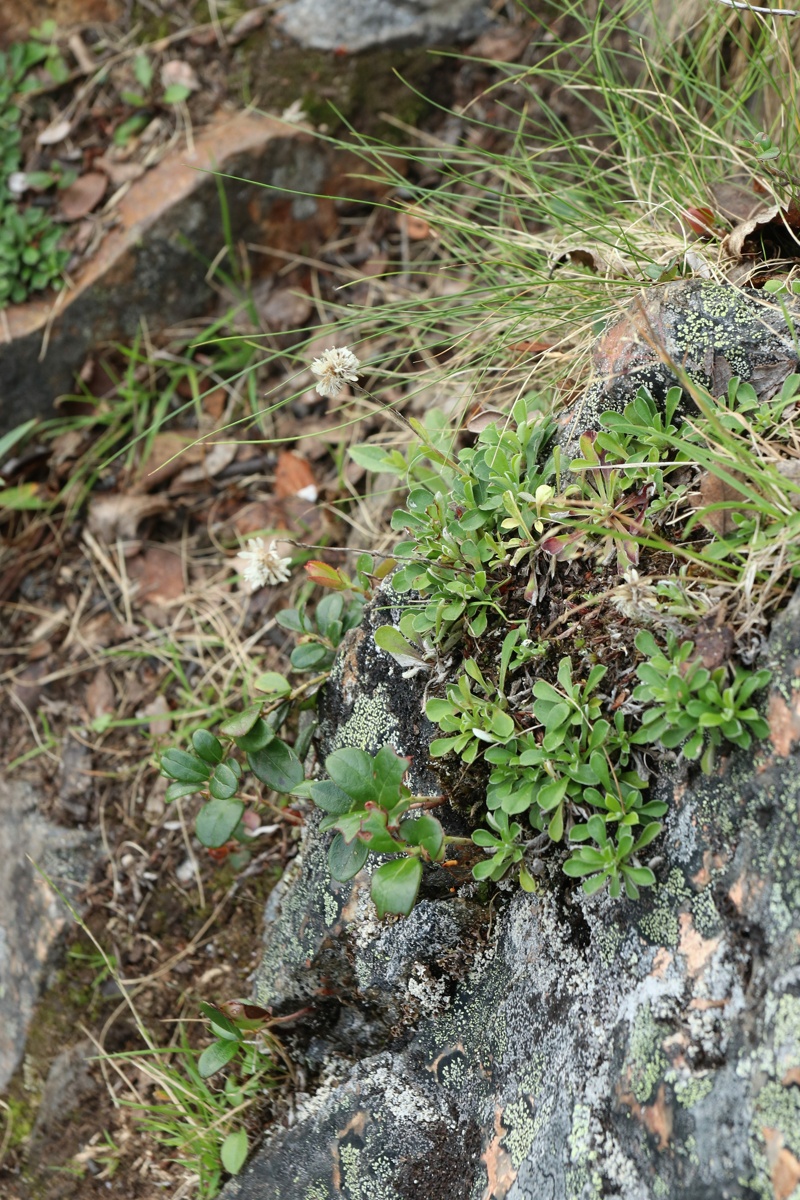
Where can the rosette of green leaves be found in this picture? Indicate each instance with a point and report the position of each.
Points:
(457, 544)
(609, 860)
(366, 802)
(471, 721)
(689, 706)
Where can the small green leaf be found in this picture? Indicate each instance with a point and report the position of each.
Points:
(184, 767)
(271, 681)
(395, 886)
(233, 1151)
(277, 766)
(424, 831)
(261, 734)
(207, 746)
(345, 859)
(215, 1057)
(217, 820)
(351, 769)
(223, 783)
(242, 722)
(176, 791)
(176, 93)
(222, 1026)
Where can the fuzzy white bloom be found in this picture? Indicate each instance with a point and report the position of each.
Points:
(335, 368)
(262, 564)
(635, 598)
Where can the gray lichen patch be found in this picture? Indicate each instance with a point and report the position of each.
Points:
(708, 332)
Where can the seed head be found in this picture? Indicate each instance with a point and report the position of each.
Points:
(335, 368)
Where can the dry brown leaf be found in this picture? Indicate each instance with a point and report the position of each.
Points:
(214, 403)
(118, 516)
(169, 454)
(180, 72)
(258, 515)
(159, 712)
(218, 456)
(500, 45)
(791, 1076)
(159, 574)
(119, 172)
(100, 697)
(54, 133)
(602, 262)
(714, 490)
(770, 233)
(286, 308)
(245, 25)
(83, 195)
(483, 419)
(713, 646)
(415, 226)
(294, 477)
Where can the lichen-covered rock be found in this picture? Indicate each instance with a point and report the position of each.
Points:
(592, 1047)
(711, 331)
(565, 1047)
(323, 942)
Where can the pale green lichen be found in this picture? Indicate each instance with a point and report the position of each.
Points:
(518, 1119)
(645, 1061)
(608, 941)
(787, 1034)
(371, 723)
(331, 909)
(692, 1089)
(705, 915)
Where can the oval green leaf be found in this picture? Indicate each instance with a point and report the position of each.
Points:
(217, 820)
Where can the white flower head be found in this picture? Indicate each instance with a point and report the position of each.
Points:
(262, 564)
(335, 368)
(635, 597)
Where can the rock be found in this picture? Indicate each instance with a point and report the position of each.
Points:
(32, 916)
(69, 1087)
(576, 1046)
(148, 265)
(356, 25)
(322, 938)
(712, 331)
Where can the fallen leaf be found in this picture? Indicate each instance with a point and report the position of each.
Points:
(54, 133)
(500, 45)
(169, 454)
(784, 1167)
(158, 573)
(713, 646)
(602, 262)
(100, 697)
(791, 1076)
(286, 308)
(257, 516)
(770, 233)
(245, 25)
(159, 711)
(415, 226)
(294, 477)
(218, 456)
(83, 195)
(119, 172)
(483, 419)
(714, 490)
(118, 516)
(176, 71)
(214, 403)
